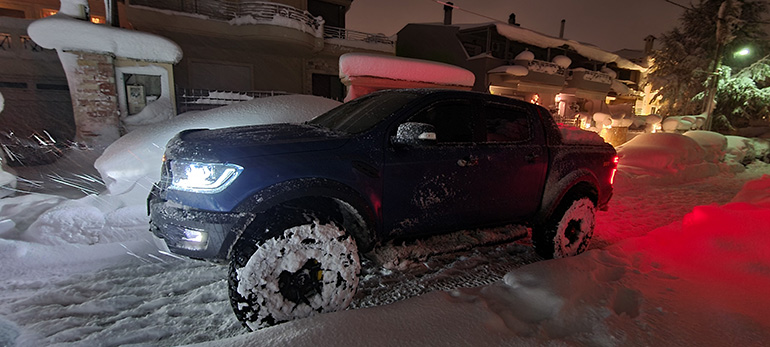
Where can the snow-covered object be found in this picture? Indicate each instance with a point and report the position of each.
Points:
(755, 192)
(403, 69)
(619, 87)
(519, 34)
(680, 123)
(602, 118)
(571, 134)
(2, 102)
(259, 279)
(653, 119)
(279, 20)
(64, 33)
(740, 149)
(713, 143)
(525, 56)
(514, 70)
(134, 160)
(562, 61)
(665, 154)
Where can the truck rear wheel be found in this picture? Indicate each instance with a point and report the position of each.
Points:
(569, 230)
(303, 268)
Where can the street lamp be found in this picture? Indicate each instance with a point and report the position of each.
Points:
(743, 52)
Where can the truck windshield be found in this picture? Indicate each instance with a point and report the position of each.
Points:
(363, 113)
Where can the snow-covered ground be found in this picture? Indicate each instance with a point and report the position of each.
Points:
(680, 258)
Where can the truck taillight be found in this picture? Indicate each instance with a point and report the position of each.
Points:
(614, 169)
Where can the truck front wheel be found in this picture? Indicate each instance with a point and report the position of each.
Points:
(307, 267)
(568, 231)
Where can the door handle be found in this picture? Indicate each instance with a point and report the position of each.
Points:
(530, 158)
(468, 161)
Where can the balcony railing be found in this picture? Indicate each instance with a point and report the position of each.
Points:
(242, 12)
(5, 41)
(352, 35)
(546, 67)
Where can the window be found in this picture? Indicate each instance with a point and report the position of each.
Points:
(506, 124)
(453, 120)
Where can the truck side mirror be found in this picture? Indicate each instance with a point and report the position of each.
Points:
(415, 134)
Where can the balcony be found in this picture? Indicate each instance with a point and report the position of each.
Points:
(593, 81)
(247, 14)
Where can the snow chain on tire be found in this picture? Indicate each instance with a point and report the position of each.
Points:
(568, 232)
(308, 269)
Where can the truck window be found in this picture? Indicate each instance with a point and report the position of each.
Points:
(453, 120)
(507, 124)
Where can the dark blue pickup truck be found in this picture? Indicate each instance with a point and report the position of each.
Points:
(291, 206)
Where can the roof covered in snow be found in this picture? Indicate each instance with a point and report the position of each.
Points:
(519, 34)
(62, 32)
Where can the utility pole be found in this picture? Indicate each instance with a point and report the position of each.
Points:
(724, 36)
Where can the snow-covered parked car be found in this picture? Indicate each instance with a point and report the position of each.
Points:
(291, 206)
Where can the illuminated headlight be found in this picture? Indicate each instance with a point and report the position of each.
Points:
(198, 177)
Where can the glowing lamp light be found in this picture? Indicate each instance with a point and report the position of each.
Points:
(535, 99)
(743, 52)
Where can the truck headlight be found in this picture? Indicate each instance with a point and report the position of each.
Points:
(209, 178)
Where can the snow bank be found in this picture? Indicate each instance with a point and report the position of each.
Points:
(404, 69)
(133, 161)
(64, 33)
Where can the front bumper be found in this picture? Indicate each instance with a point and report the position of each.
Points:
(195, 233)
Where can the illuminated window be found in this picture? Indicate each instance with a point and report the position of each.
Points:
(47, 12)
(94, 19)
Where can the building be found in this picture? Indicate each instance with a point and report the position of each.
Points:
(241, 46)
(574, 80)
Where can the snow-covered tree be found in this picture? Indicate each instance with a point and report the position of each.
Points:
(743, 96)
(688, 52)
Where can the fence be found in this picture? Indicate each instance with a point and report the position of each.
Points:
(203, 99)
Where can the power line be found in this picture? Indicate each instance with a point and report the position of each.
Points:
(464, 10)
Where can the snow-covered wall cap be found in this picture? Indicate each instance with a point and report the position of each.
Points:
(62, 32)
(404, 69)
(515, 70)
(530, 37)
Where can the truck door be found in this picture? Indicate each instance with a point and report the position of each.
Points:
(432, 188)
(514, 162)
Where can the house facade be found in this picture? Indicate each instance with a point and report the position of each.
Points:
(245, 47)
(574, 80)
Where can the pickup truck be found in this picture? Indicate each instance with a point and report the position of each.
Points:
(291, 206)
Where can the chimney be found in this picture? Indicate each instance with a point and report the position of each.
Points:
(648, 44)
(561, 31)
(512, 19)
(448, 13)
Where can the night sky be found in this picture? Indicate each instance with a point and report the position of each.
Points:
(609, 24)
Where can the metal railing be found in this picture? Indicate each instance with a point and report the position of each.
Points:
(30, 45)
(5, 41)
(260, 11)
(346, 34)
(204, 99)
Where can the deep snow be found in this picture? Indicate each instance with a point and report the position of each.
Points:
(679, 259)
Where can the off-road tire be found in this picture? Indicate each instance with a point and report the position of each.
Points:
(569, 230)
(303, 264)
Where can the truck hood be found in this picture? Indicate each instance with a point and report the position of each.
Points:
(251, 141)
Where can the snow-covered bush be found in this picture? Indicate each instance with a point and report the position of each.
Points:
(674, 124)
(132, 163)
